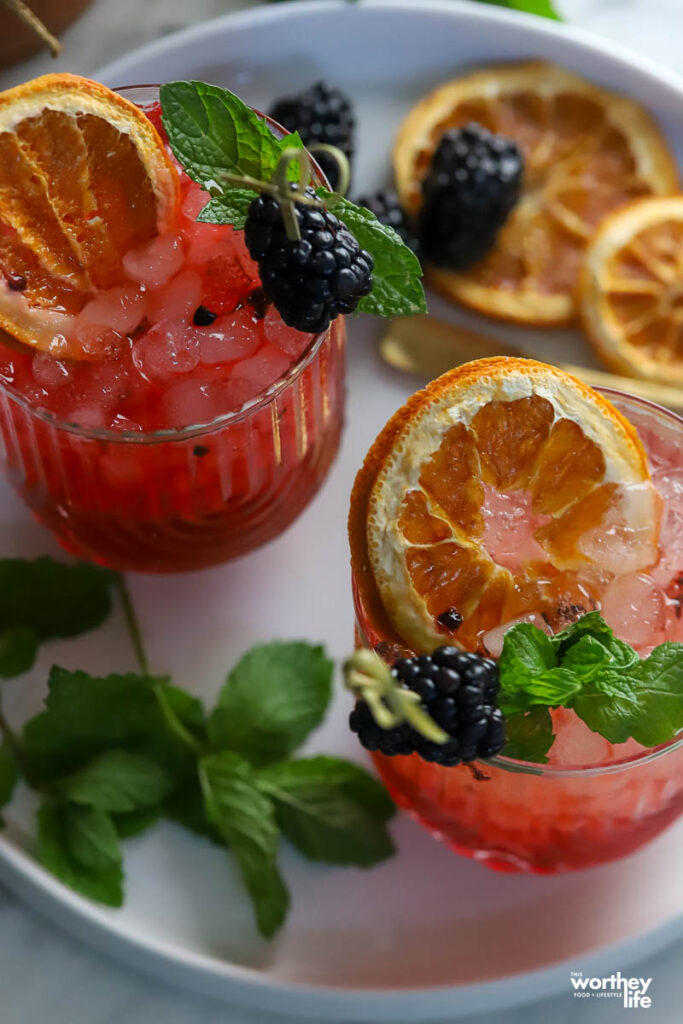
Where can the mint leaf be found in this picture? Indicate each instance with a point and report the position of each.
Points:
(586, 658)
(133, 823)
(53, 599)
(593, 625)
(608, 704)
(526, 651)
(186, 807)
(18, 649)
(529, 735)
(117, 781)
(211, 130)
(230, 208)
(330, 809)
(544, 8)
(274, 696)
(58, 834)
(9, 776)
(91, 837)
(397, 288)
(659, 692)
(86, 715)
(245, 818)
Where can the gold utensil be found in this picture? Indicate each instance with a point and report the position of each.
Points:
(427, 347)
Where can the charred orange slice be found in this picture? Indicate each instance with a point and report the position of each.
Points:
(587, 151)
(84, 177)
(505, 487)
(631, 290)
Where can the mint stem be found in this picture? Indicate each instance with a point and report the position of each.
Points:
(133, 625)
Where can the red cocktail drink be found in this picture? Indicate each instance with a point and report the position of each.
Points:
(190, 437)
(594, 801)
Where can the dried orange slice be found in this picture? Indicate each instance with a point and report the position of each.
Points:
(505, 487)
(587, 151)
(84, 177)
(631, 290)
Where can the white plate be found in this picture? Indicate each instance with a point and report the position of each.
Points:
(428, 934)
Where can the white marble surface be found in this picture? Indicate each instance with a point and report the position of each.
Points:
(47, 976)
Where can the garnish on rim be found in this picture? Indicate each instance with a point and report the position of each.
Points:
(229, 149)
(68, 216)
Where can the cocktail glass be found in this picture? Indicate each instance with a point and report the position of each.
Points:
(594, 801)
(184, 498)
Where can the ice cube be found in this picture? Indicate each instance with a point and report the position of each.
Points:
(155, 263)
(121, 309)
(626, 539)
(575, 744)
(96, 339)
(89, 416)
(287, 339)
(634, 606)
(178, 299)
(263, 369)
(49, 372)
(493, 640)
(233, 336)
(194, 401)
(205, 242)
(166, 350)
(509, 526)
(194, 201)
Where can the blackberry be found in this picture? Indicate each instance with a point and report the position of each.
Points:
(388, 210)
(320, 114)
(313, 280)
(473, 183)
(458, 689)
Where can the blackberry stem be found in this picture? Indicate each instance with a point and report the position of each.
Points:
(370, 679)
(343, 165)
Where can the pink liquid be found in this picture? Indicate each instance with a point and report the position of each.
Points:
(175, 446)
(594, 801)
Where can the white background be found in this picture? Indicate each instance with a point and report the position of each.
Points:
(46, 976)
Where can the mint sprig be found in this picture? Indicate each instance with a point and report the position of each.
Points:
(597, 675)
(212, 133)
(110, 755)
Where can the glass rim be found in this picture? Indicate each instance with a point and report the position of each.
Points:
(251, 406)
(642, 757)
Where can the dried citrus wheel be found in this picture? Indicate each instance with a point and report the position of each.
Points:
(84, 177)
(504, 487)
(586, 150)
(631, 290)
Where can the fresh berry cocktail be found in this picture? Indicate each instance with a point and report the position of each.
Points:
(592, 798)
(194, 424)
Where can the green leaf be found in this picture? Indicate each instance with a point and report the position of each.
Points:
(659, 693)
(586, 658)
(544, 8)
(330, 809)
(275, 695)
(186, 807)
(91, 837)
(246, 820)
(211, 130)
(18, 649)
(593, 625)
(397, 289)
(86, 715)
(608, 704)
(529, 735)
(9, 775)
(56, 838)
(118, 781)
(552, 689)
(52, 598)
(133, 823)
(526, 651)
(230, 208)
